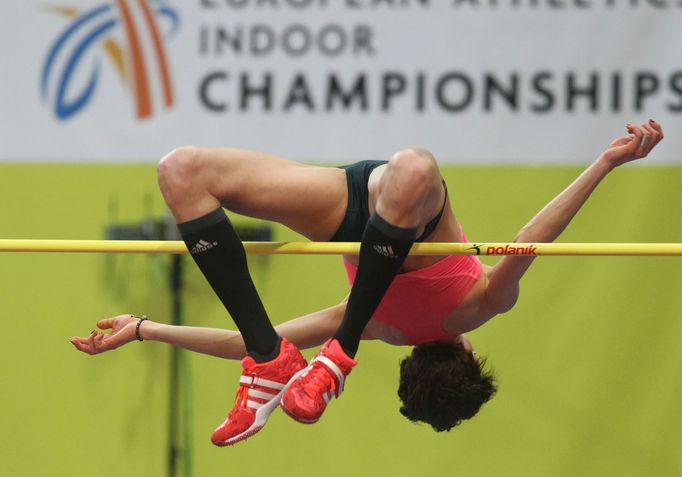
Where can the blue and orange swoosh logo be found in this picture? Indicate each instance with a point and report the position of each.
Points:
(95, 28)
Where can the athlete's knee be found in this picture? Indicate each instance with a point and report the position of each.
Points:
(177, 172)
(416, 170)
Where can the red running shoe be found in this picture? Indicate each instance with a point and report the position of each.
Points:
(309, 391)
(260, 389)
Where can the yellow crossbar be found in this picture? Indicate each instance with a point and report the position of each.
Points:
(349, 248)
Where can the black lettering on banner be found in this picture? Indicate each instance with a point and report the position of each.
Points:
(204, 37)
(676, 86)
(299, 4)
(454, 79)
(519, 3)
(646, 84)
(421, 92)
(366, 4)
(296, 40)
(207, 4)
(569, 4)
(357, 93)
(392, 84)
(616, 83)
(332, 40)
(659, 3)
(450, 91)
(224, 39)
(362, 40)
(473, 3)
(556, 4)
(238, 3)
(299, 93)
(204, 96)
(261, 40)
(510, 93)
(544, 91)
(590, 92)
(247, 90)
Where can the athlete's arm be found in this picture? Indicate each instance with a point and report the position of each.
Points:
(502, 289)
(305, 332)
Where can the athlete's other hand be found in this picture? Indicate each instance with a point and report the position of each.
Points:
(638, 144)
(122, 331)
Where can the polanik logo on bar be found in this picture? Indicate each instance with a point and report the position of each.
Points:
(130, 35)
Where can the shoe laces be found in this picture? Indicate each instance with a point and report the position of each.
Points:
(241, 397)
(320, 378)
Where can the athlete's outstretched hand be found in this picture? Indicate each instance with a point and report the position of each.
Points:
(637, 145)
(122, 331)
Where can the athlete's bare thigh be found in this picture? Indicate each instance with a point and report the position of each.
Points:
(447, 230)
(311, 200)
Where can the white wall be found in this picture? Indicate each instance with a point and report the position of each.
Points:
(477, 81)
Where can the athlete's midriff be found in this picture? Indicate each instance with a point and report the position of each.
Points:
(418, 301)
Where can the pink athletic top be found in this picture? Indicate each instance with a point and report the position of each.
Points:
(418, 301)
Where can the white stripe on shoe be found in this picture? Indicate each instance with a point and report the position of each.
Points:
(262, 413)
(255, 393)
(261, 394)
(256, 381)
(331, 365)
(254, 404)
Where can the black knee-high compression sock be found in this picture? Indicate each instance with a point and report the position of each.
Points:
(219, 253)
(382, 252)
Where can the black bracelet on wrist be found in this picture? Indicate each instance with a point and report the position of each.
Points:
(137, 328)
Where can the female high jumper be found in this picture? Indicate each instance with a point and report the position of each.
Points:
(425, 301)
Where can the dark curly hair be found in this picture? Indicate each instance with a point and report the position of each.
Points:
(442, 384)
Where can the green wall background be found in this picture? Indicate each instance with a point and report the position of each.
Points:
(589, 362)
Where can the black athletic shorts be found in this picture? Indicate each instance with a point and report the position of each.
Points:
(357, 212)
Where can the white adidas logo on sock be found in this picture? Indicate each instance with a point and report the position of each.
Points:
(202, 246)
(385, 250)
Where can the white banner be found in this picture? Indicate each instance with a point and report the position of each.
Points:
(475, 81)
